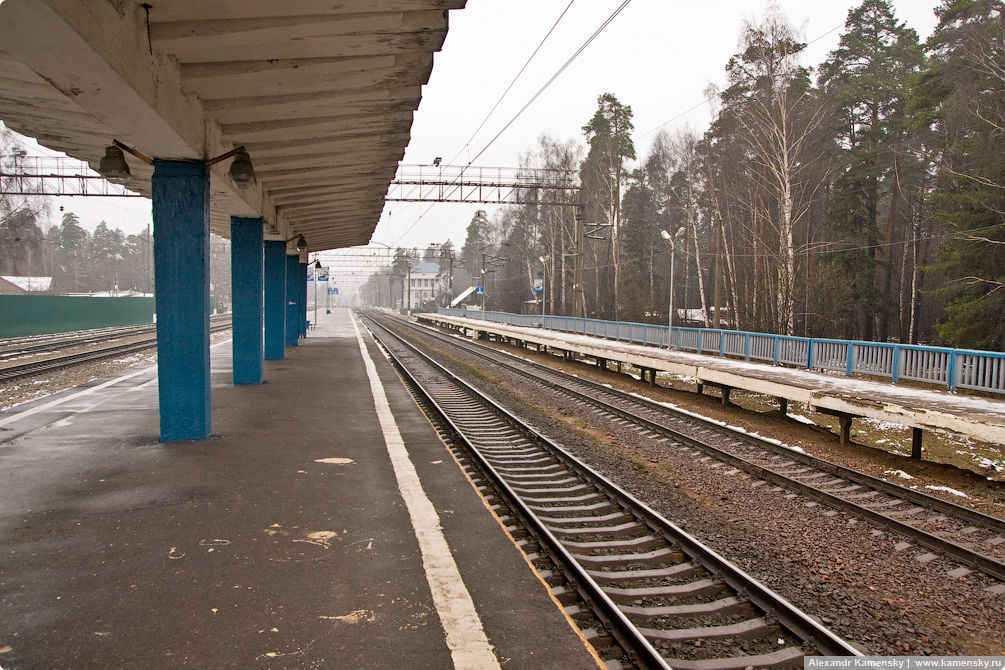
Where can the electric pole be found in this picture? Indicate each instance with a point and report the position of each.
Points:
(577, 280)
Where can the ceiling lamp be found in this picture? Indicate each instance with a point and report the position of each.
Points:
(242, 173)
(113, 166)
(301, 243)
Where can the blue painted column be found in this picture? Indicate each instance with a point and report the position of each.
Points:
(247, 277)
(292, 300)
(275, 300)
(181, 271)
(303, 300)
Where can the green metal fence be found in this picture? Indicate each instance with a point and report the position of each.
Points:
(22, 315)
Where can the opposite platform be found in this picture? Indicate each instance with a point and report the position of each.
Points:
(283, 541)
(977, 417)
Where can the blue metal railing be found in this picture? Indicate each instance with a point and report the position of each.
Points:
(952, 368)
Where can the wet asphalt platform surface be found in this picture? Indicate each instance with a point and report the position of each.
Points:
(280, 542)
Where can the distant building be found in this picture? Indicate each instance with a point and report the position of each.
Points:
(23, 285)
(426, 284)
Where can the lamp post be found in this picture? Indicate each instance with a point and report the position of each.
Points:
(483, 285)
(670, 240)
(544, 287)
(317, 278)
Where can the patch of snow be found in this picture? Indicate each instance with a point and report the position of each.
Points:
(899, 473)
(948, 490)
(879, 424)
(802, 419)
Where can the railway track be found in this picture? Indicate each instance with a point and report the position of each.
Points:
(55, 363)
(974, 539)
(19, 347)
(623, 571)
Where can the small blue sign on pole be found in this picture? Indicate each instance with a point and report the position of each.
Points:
(479, 290)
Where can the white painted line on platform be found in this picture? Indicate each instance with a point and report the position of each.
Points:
(54, 403)
(469, 647)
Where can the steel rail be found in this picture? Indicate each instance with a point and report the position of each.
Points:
(61, 362)
(17, 350)
(982, 562)
(767, 600)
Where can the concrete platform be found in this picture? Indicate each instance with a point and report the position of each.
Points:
(284, 541)
(981, 418)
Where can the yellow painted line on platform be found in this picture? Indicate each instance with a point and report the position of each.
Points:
(469, 646)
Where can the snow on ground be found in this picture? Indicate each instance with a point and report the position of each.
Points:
(948, 490)
(802, 419)
(898, 473)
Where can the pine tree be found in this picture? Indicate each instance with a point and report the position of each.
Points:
(604, 172)
(867, 79)
(967, 78)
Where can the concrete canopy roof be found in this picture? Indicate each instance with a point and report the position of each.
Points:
(320, 92)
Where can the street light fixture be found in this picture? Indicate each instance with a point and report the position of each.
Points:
(670, 241)
(113, 166)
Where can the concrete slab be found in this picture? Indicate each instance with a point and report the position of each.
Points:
(280, 542)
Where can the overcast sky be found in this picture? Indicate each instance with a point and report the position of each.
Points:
(657, 56)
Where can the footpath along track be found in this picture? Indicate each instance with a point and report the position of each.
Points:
(56, 363)
(974, 539)
(665, 598)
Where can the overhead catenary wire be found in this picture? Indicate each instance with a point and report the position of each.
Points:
(531, 101)
(553, 78)
(494, 107)
(508, 88)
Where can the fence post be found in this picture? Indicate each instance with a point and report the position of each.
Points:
(777, 346)
(896, 364)
(809, 355)
(951, 372)
(746, 346)
(698, 343)
(851, 359)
